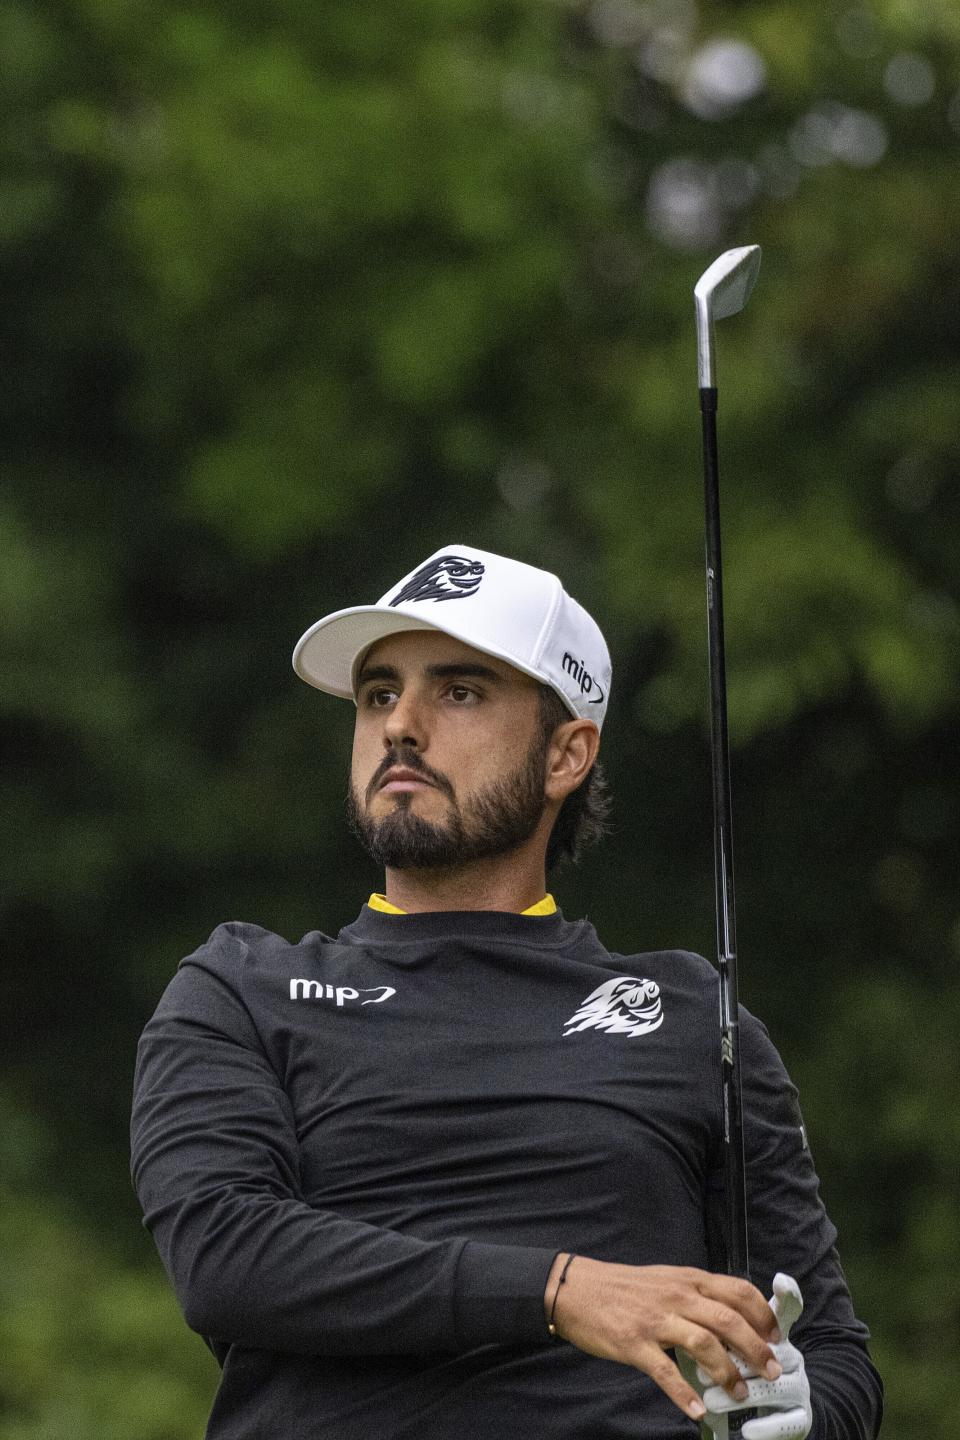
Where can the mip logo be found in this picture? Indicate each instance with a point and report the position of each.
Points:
(583, 678)
(451, 577)
(340, 994)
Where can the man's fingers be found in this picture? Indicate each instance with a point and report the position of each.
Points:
(715, 1365)
(722, 1330)
(787, 1356)
(745, 1371)
(739, 1295)
(662, 1370)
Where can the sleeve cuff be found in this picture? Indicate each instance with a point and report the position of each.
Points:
(498, 1298)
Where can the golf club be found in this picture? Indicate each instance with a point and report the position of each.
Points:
(723, 289)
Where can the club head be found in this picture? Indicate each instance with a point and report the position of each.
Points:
(723, 289)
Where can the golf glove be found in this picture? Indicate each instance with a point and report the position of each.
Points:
(782, 1405)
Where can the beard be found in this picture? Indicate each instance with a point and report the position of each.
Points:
(492, 822)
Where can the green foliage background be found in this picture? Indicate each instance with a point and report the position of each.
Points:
(293, 294)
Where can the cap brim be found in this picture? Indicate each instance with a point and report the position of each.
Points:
(326, 654)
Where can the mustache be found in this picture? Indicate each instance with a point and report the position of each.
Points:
(409, 760)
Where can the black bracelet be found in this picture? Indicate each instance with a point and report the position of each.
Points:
(551, 1327)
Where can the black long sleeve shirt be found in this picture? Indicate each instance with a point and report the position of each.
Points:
(359, 1157)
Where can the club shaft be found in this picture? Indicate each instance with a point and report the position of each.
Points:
(738, 1256)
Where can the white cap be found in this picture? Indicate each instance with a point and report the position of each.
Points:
(502, 607)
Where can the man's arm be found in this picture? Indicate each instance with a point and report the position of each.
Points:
(215, 1165)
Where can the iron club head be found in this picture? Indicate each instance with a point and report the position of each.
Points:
(723, 289)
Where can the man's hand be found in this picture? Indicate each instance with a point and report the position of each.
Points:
(636, 1313)
(783, 1404)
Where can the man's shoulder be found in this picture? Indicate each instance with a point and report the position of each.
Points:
(227, 976)
(676, 967)
(239, 945)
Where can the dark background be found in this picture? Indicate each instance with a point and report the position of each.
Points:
(293, 294)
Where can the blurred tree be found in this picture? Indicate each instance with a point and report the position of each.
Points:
(91, 1348)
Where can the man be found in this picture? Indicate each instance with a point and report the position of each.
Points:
(455, 1172)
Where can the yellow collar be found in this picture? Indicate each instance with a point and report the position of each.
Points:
(546, 906)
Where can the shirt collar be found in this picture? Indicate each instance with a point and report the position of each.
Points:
(546, 906)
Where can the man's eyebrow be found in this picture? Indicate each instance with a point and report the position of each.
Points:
(463, 670)
(453, 670)
(377, 672)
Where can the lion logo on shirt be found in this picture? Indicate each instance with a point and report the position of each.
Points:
(623, 1006)
(452, 577)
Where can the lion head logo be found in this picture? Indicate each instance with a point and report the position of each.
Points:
(624, 1006)
(452, 577)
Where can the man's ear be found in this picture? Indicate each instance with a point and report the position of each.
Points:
(570, 755)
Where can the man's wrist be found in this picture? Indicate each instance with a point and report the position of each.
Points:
(552, 1287)
(555, 1283)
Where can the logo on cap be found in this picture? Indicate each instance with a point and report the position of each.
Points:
(582, 677)
(451, 577)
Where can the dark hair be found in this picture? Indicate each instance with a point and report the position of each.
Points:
(582, 818)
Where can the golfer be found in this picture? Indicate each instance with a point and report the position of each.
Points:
(455, 1172)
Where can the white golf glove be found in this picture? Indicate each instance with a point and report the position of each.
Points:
(783, 1405)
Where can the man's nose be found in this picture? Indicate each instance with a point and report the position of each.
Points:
(406, 724)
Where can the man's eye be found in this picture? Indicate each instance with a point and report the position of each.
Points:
(462, 694)
(379, 698)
